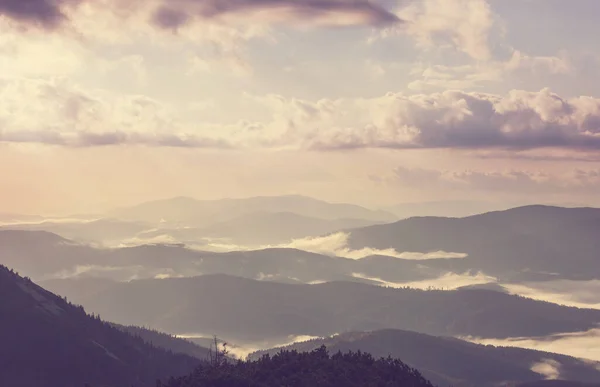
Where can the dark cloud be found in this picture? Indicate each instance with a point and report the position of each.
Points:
(170, 18)
(372, 11)
(171, 14)
(46, 13)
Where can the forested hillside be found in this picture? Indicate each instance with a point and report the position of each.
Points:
(316, 368)
(47, 342)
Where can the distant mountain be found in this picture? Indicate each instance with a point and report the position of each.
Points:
(244, 310)
(47, 342)
(202, 213)
(278, 227)
(448, 361)
(96, 231)
(316, 368)
(82, 286)
(256, 229)
(549, 241)
(37, 253)
(45, 256)
(449, 208)
(12, 218)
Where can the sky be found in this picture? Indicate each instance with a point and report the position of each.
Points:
(106, 103)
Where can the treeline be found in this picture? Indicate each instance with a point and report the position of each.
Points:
(304, 369)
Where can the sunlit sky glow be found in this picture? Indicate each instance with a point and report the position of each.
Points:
(112, 102)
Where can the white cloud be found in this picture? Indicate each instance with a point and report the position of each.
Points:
(477, 75)
(57, 112)
(462, 24)
(548, 368)
(448, 281)
(332, 245)
(337, 245)
(580, 294)
(585, 345)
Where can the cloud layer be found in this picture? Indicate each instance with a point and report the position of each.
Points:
(58, 113)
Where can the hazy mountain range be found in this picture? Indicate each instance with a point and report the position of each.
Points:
(250, 221)
(200, 213)
(554, 241)
(245, 310)
(331, 279)
(68, 348)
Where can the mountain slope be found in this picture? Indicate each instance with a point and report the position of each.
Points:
(166, 341)
(536, 239)
(242, 309)
(201, 213)
(96, 231)
(258, 228)
(46, 257)
(47, 342)
(448, 361)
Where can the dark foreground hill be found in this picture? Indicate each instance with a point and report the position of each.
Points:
(47, 342)
(448, 361)
(243, 310)
(316, 368)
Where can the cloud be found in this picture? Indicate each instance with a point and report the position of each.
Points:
(584, 345)
(471, 76)
(171, 15)
(337, 245)
(457, 119)
(334, 245)
(56, 112)
(462, 24)
(45, 13)
(448, 281)
(242, 349)
(549, 368)
(580, 294)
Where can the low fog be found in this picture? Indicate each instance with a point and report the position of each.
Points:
(585, 345)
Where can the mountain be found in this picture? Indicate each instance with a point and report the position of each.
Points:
(47, 342)
(166, 341)
(12, 218)
(95, 231)
(202, 213)
(257, 228)
(245, 310)
(39, 253)
(316, 368)
(448, 361)
(548, 241)
(278, 227)
(449, 208)
(46, 257)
